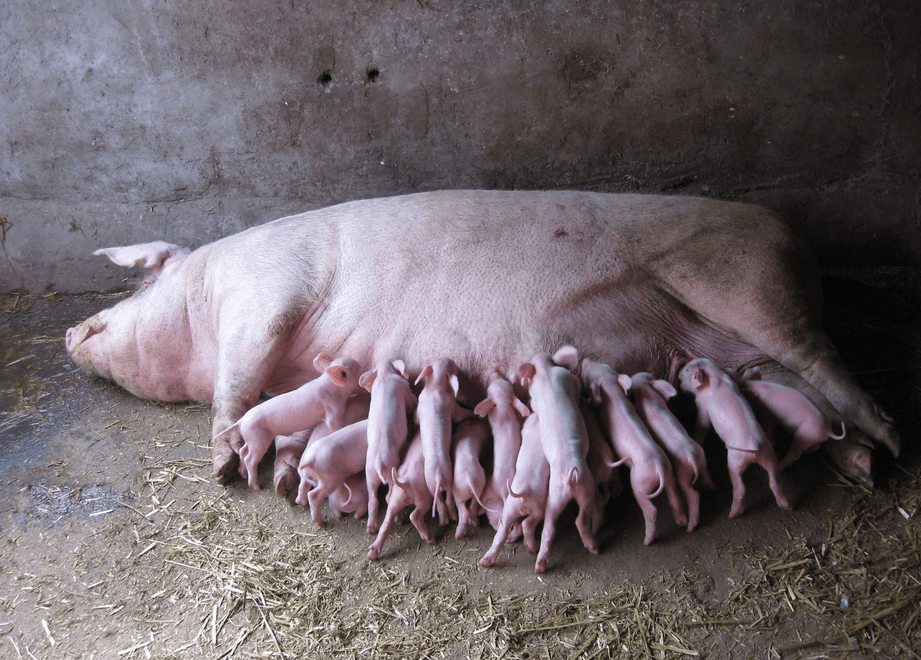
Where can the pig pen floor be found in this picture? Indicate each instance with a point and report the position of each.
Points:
(117, 543)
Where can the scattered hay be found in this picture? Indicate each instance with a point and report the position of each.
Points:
(257, 589)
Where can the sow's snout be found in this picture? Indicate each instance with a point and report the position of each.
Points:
(80, 333)
(87, 354)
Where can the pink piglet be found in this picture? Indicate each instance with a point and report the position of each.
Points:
(795, 412)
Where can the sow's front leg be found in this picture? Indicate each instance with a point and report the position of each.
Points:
(245, 359)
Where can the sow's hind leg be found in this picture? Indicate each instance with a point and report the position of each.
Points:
(852, 455)
(755, 280)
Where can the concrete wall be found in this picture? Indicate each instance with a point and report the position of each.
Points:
(130, 121)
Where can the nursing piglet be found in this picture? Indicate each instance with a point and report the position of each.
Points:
(469, 439)
(321, 399)
(409, 489)
(350, 497)
(796, 414)
(328, 462)
(650, 399)
(721, 405)
(505, 413)
(526, 503)
(435, 413)
(555, 394)
(650, 471)
(290, 448)
(601, 462)
(388, 427)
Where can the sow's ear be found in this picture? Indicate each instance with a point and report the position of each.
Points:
(149, 255)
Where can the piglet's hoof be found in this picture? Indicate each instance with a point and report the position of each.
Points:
(224, 466)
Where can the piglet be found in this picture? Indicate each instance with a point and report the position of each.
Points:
(601, 462)
(290, 448)
(721, 405)
(469, 439)
(409, 489)
(650, 399)
(555, 394)
(795, 413)
(321, 399)
(650, 471)
(527, 493)
(505, 413)
(350, 497)
(436, 411)
(388, 427)
(328, 462)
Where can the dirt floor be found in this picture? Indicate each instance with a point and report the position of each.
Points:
(117, 543)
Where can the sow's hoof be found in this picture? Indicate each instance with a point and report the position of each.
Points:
(286, 481)
(225, 465)
(852, 458)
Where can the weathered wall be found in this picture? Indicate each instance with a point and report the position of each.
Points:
(191, 119)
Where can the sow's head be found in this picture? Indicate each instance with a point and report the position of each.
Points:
(124, 343)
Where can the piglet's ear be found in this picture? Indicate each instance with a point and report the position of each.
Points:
(700, 377)
(484, 407)
(595, 392)
(366, 380)
(625, 382)
(522, 409)
(664, 388)
(321, 361)
(400, 366)
(149, 255)
(339, 374)
(455, 383)
(426, 373)
(568, 357)
(525, 373)
(754, 373)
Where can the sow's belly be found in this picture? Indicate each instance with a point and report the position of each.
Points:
(496, 325)
(488, 279)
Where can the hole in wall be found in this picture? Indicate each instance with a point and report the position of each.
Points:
(325, 78)
(373, 76)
